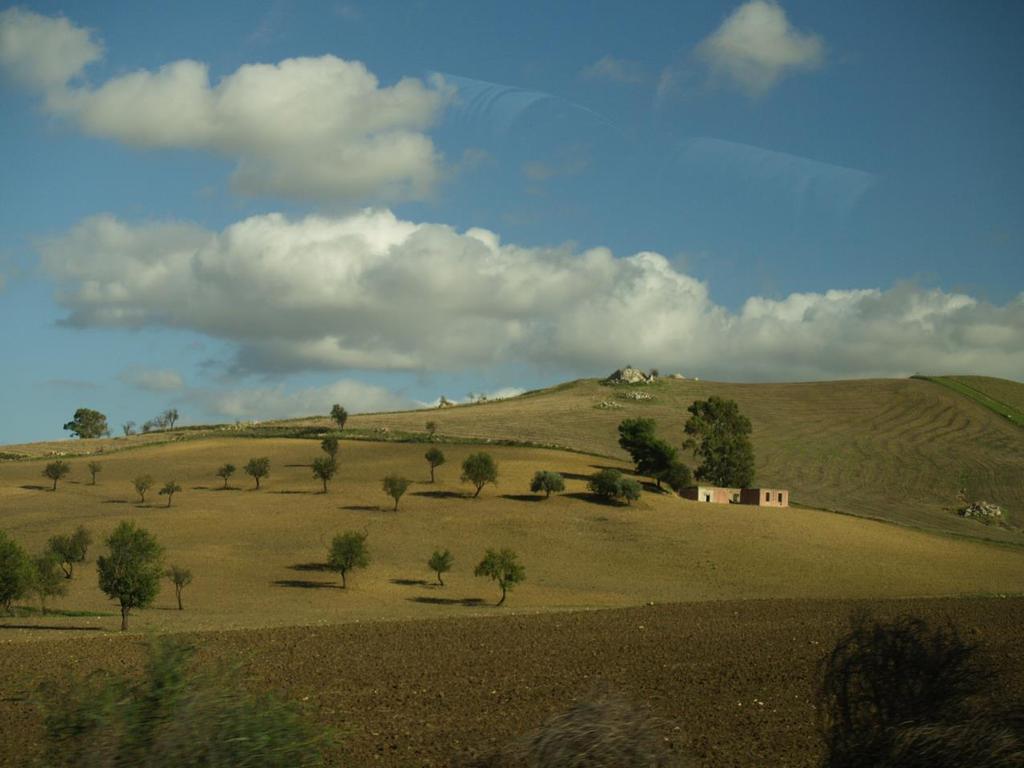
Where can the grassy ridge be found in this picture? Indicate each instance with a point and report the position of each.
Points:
(1002, 397)
(893, 449)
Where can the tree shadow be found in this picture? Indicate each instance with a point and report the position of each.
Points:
(301, 466)
(36, 487)
(523, 496)
(295, 493)
(115, 501)
(318, 567)
(364, 508)
(441, 494)
(411, 582)
(302, 584)
(593, 498)
(468, 602)
(574, 476)
(70, 627)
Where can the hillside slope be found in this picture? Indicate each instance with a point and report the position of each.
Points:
(894, 449)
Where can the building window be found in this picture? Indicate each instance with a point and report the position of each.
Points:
(780, 498)
(707, 497)
(767, 496)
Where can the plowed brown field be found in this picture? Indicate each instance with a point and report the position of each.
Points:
(734, 679)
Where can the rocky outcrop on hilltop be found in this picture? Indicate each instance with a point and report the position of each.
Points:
(631, 375)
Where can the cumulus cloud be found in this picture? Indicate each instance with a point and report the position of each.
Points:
(756, 47)
(152, 380)
(278, 403)
(373, 291)
(612, 69)
(313, 128)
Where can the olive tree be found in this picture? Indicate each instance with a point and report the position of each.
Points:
(324, 468)
(142, 484)
(131, 572)
(69, 550)
(330, 445)
(548, 482)
(94, 469)
(47, 579)
(502, 567)
(87, 423)
(395, 486)
(479, 469)
(15, 572)
(56, 470)
(610, 484)
(431, 429)
(180, 578)
(435, 458)
(258, 468)
(226, 472)
(440, 562)
(170, 488)
(339, 415)
(348, 550)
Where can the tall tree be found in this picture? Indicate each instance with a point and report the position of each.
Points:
(340, 415)
(15, 572)
(720, 437)
(169, 416)
(87, 423)
(131, 572)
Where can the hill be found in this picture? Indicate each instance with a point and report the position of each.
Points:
(892, 449)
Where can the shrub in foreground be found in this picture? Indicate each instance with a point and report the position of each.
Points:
(172, 716)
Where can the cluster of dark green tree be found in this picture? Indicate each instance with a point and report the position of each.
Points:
(129, 572)
(716, 432)
(90, 423)
(349, 551)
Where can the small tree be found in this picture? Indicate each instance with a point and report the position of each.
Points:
(435, 458)
(258, 468)
(348, 550)
(629, 489)
(607, 484)
(170, 488)
(479, 469)
(142, 484)
(431, 429)
(169, 416)
(226, 472)
(502, 568)
(548, 482)
(56, 470)
(324, 468)
(131, 572)
(87, 423)
(340, 415)
(94, 469)
(47, 579)
(395, 486)
(15, 572)
(68, 550)
(440, 563)
(330, 446)
(128, 428)
(180, 578)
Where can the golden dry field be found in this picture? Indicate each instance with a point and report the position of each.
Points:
(258, 555)
(893, 449)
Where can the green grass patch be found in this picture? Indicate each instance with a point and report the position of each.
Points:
(27, 610)
(1008, 412)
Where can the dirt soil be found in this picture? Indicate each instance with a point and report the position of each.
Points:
(734, 679)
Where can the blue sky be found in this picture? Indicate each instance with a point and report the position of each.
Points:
(258, 209)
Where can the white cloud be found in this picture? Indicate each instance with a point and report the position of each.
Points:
(372, 291)
(615, 70)
(315, 128)
(153, 380)
(756, 47)
(278, 403)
